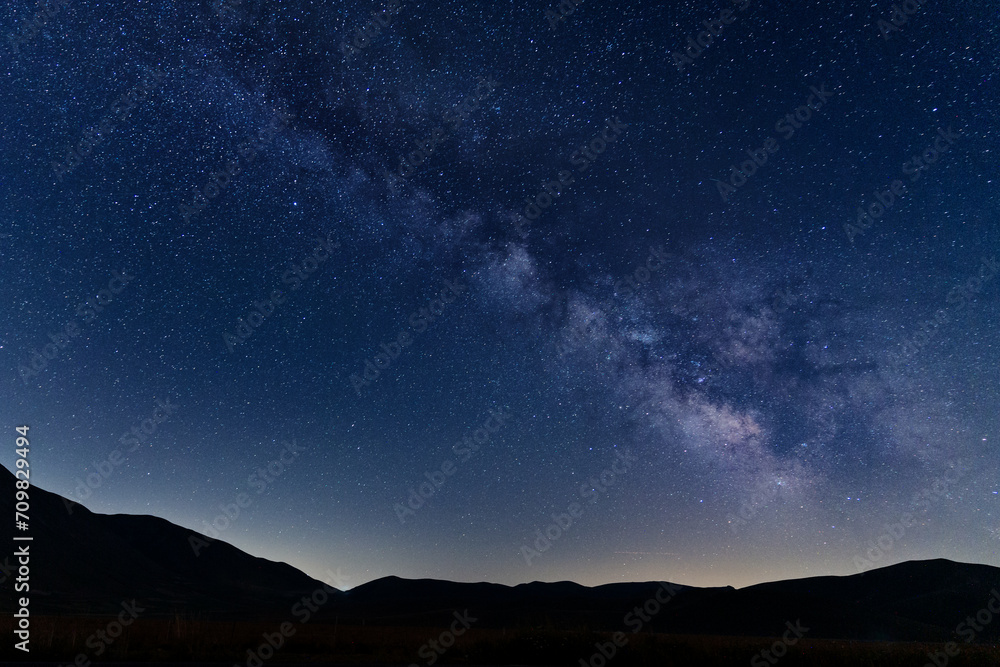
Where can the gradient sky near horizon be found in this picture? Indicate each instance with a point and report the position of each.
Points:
(769, 382)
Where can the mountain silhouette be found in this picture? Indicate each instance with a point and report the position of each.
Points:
(82, 562)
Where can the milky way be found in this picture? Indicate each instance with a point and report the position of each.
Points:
(721, 277)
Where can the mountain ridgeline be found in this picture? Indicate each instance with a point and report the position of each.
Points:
(87, 563)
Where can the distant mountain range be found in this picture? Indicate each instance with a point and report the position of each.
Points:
(85, 563)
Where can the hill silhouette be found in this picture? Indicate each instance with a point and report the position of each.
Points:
(87, 563)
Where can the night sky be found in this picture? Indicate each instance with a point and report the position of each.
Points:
(726, 313)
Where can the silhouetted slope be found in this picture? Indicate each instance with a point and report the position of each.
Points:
(81, 561)
(86, 562)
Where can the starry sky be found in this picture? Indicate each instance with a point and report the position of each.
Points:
(700, 292)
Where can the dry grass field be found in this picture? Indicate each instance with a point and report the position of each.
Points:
(178, 641)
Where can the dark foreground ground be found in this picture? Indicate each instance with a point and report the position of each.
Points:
(61, 640)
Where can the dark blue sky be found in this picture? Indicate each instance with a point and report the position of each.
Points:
(565, 275)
